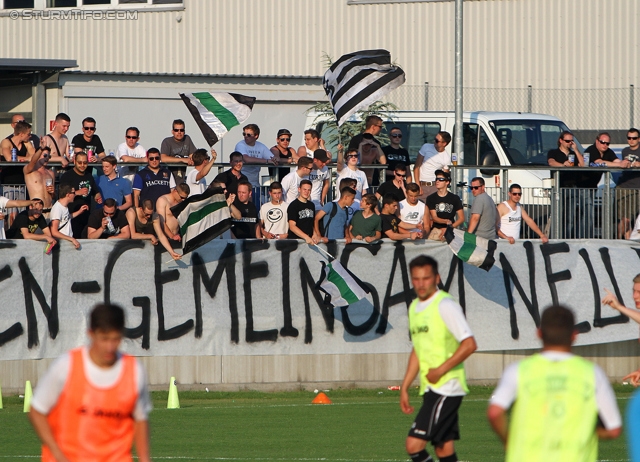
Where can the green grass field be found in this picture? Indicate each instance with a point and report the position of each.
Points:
(360, 425)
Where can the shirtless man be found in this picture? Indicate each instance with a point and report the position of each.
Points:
(144, 223)
(57, 140)
(168, 222)
(39, 178)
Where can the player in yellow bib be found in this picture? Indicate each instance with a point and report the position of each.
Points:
(561, 403)
(442, 340)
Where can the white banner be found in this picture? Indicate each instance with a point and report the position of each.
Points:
(259, 298)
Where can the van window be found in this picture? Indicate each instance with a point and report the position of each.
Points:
(414, 135)
(476, 144)
(527, 142)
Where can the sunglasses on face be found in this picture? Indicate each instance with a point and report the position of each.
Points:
(108, 214)
(568, 141)
(248, 134)
(474, 187)
(606, 143)
(396, 135)
(154, 158)
(179, 130)
(89, 128)
(400, 174)
(352, 155)
(517, 193)
(632, 137)
(441, 179)
(285, 139)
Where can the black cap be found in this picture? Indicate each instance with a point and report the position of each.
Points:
(321, 155)
(283, 131)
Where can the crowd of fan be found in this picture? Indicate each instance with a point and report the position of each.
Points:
(123, 202)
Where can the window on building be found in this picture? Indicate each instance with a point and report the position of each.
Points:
(18, 4)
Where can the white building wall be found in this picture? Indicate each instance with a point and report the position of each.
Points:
(508, 43)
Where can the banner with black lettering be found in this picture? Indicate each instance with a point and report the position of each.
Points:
(260, 297)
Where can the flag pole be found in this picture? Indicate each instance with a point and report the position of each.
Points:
(324, 251)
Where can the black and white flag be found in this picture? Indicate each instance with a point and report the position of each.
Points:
(358, 79)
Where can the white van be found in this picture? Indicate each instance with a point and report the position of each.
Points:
(491, 139)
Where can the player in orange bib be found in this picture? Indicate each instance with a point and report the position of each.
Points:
(93, 402)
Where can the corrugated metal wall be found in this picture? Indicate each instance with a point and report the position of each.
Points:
(508, 43)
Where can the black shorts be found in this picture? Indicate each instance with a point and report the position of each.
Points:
(437, 420)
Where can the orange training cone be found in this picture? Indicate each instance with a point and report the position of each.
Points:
(321, 398)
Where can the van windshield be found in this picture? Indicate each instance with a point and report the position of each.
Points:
(527, 142)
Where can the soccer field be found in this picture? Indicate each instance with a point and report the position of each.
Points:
(360, 425)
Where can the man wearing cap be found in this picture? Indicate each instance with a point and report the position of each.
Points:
(320, 178)
(284, 153)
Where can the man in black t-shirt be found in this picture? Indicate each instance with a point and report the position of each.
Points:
(87, 138)
(444, 207)
(628, 188)
(81, 179)
(109, 222)
(232, 177)
(391, 223)
(396, 154)
(244, 213)
(373, 125)
(301, 213)
(601, 154)
(397, 186)
(28, 222)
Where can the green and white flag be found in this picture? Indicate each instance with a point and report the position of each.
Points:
(341, 286)
(476, 251)
(217, 112)
(202, 217)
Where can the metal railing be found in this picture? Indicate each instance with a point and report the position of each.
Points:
(605, 212)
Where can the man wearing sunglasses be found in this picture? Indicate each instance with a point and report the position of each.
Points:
(152, 181)
(396, 154)
(431, 157)
(284, 152)
(603, 156)
(511, 216)
(627, 190)
(483, 211)
(87, 138)
(85, 187)
(177, 150)
(130, 151)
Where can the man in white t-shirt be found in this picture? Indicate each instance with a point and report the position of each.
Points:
(130, 151)
(431, 157)
(352, 171)
(291, 181)
(6, 203)
(253, 153)
(320, 178)
(413, 214)
(274, 223)
(94, 387)
(60, 224)
(201, 168)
